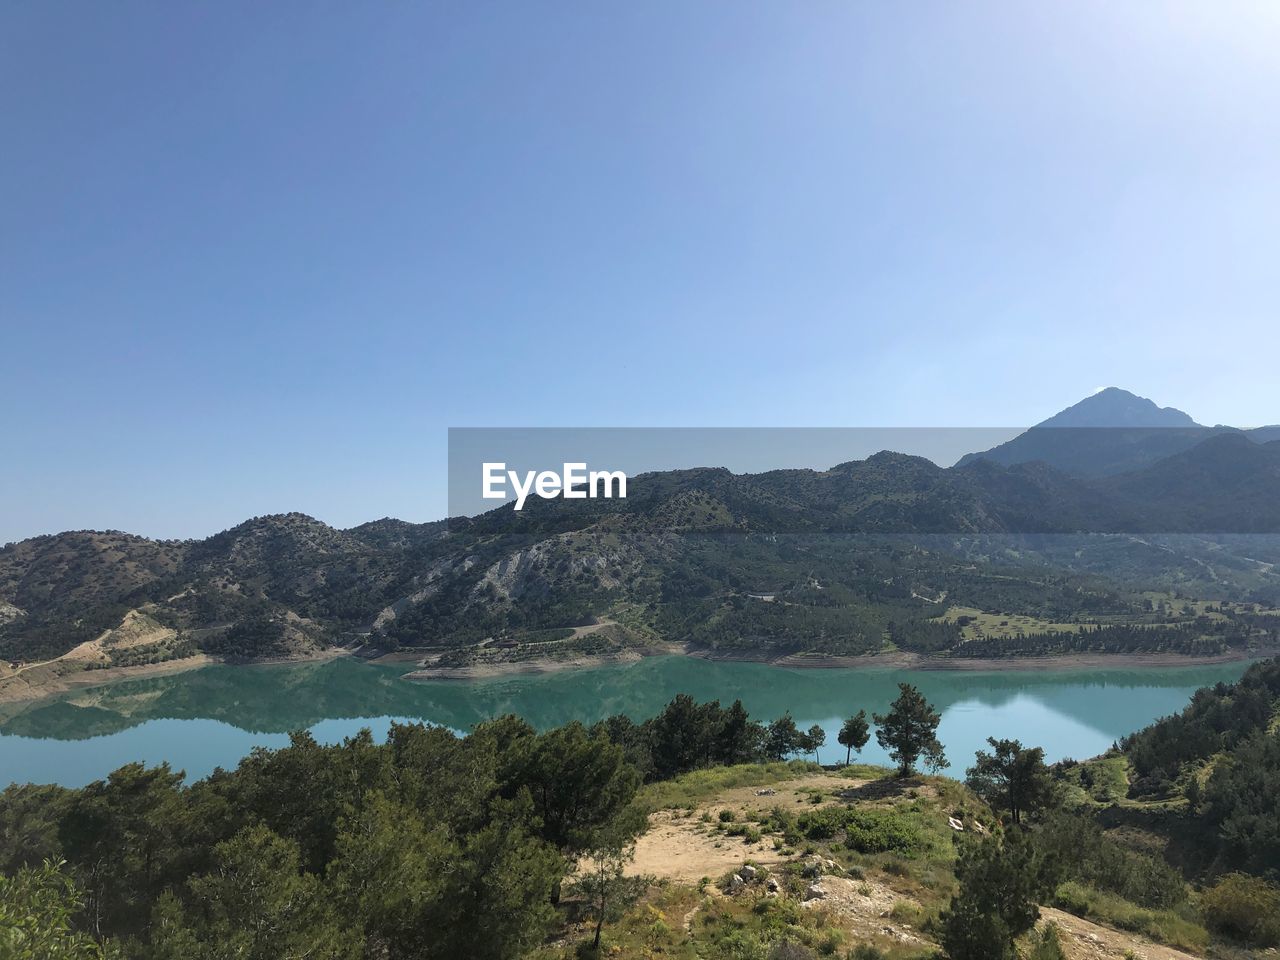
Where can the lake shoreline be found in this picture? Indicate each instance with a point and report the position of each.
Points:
(888, 661)
(915, 661)
(201, 719)
(49, 683)
(50, 678)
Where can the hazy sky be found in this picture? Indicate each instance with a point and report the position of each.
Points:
(258, 257)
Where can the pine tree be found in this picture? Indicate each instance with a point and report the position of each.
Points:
(908, 731)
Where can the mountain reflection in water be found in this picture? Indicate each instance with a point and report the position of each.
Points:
(213, 716)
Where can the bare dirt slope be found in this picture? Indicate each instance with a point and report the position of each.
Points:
(679, 846)
(1083, 940)
(685, 847)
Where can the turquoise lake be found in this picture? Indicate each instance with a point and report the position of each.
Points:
(210, 717)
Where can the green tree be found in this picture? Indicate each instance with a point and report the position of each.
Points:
(812, 739)
(1193, 792)
(996, 902)
(783, 738)
(505, 879)
(392, 872)
(682, 736)
(257, 904)
(908, 731)
(854, 734)
(36, 909)
(578, 783)
(1240, 803)
(301, 792)
(123, 836)
(739, 736)
(1012, 778)
(603, 884)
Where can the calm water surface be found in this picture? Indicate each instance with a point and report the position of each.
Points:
(213, 716)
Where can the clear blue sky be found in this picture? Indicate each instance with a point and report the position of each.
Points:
(258, 257)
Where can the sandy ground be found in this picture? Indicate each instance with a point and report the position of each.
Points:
(678, 846)
(63, 675)
(684, 848)
(864, 908)
(483, 671)
(677, 849)
(38, 680)
(537, 665)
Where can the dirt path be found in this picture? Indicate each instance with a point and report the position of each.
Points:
(592, 628)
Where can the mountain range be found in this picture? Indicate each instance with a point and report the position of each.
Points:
(1106, 516)
(1110, 433)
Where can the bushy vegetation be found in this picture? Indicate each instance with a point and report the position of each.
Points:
(1176, 928)
(1046, 945)
(37, 906)
(1231, 728)
(1218, 718)
(863, 830)
(1244, 908)
(427, 846)
(1074, 848)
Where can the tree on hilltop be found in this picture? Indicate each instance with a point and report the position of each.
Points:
(908, 731)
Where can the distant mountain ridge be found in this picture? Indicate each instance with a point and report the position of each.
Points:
(856, 557)
(1109, 433)
(1114, 407)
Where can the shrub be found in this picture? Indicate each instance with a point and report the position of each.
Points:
(821, 824)
(873, 831)
(1072, 847)
(790, 950)
(867, 831)
(830, 942)
(36, 910)
(1046, 945)
(1244, 907)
